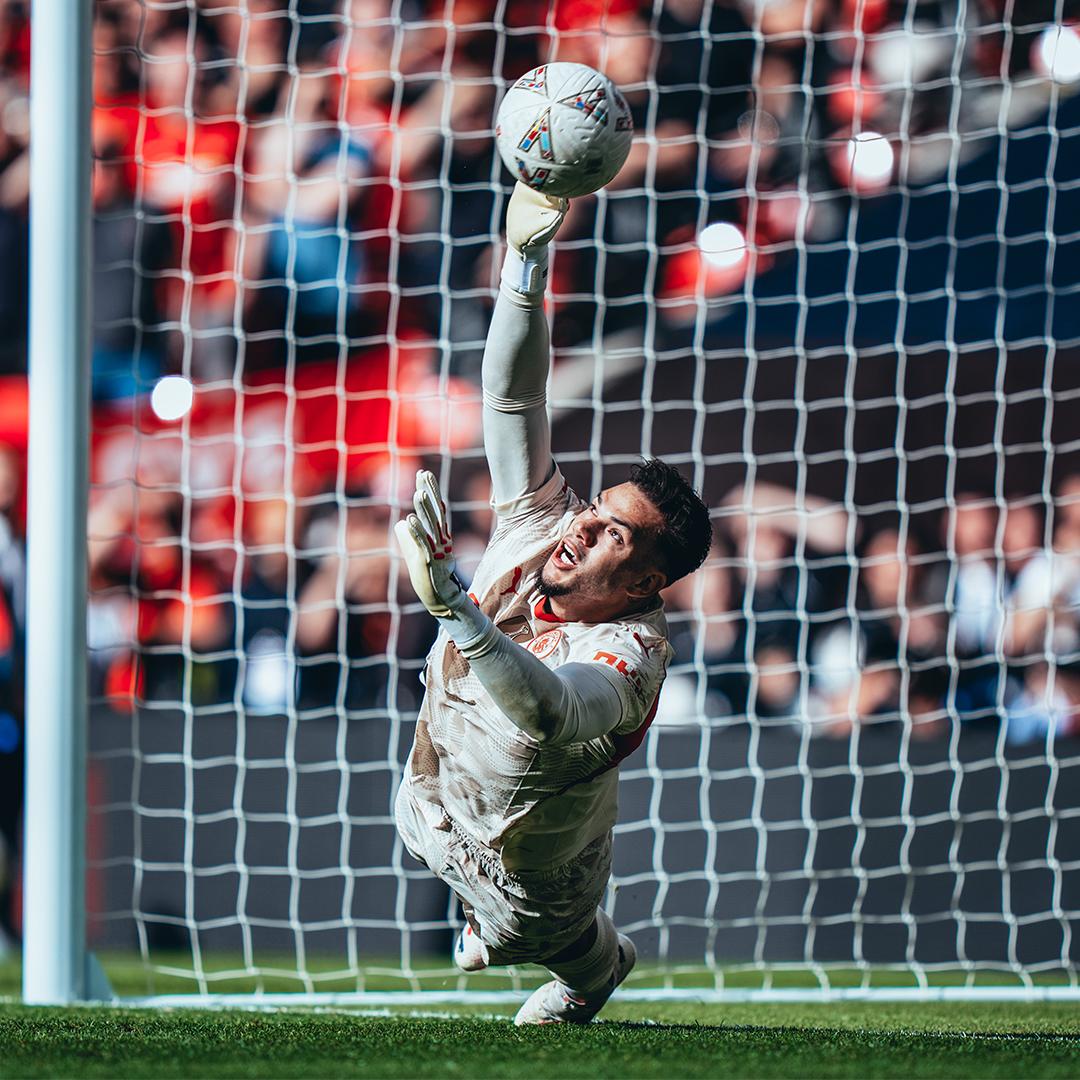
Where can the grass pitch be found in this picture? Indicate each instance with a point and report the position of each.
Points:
(669, 1041)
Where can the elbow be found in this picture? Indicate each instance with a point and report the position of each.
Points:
(542, 725)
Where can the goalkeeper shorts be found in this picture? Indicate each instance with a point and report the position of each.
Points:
(524, 916)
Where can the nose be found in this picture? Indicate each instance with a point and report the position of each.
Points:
(590, 531)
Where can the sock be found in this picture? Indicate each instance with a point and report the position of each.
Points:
(594, 969)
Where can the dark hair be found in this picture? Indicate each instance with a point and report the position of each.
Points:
(684, 541)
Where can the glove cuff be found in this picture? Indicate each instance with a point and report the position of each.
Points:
(524, 274)
(467, 626)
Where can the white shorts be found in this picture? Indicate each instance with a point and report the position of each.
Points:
(522, 917)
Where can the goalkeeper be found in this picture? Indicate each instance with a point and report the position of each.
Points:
(547, 675)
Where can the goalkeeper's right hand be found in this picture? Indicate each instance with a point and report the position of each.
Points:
(532, 220)
(426, 543)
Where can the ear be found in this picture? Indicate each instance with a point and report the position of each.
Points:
(649, 585)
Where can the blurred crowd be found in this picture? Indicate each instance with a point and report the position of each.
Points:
(807, 614)
(277, 181)
(298, 205)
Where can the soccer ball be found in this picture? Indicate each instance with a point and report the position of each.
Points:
(564, 129)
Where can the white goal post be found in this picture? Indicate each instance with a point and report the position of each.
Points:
(55, 969)
(835, 285)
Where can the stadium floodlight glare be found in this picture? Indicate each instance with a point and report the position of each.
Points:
(171, 397)
(1056, 54)
(871, 159)
(722, 244)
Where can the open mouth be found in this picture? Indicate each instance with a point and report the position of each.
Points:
(566, 556)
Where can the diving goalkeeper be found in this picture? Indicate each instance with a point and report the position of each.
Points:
(545, 677)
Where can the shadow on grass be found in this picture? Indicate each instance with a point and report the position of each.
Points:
(832, 1034)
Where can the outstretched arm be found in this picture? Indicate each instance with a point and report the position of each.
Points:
(573, 703)
(517, 435)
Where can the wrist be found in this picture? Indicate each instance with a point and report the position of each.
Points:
(524, 273)
(467, 626)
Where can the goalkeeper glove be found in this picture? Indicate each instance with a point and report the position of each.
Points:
(425, 541)
(532, 220)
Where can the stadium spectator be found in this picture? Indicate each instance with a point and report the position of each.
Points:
(1047, 706)
(1028, 591)
(304, 189)
(883, 656)
(343, 621)
(184, 161)
(272, 575)
(787, 574)
(706, 623)
(12, 636)
(969, 538)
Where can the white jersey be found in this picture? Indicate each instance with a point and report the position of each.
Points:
(534, 806)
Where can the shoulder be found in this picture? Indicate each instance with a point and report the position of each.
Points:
(549, 503)
(634, 652)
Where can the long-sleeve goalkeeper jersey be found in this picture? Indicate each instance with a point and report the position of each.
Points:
(475, 762)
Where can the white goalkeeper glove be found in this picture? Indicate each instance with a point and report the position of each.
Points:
(425, 541)
(532, 220)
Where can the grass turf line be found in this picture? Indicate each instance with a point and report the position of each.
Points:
(172, 971)
(654, 1040)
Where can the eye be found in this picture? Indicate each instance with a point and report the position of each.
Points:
(617, 535)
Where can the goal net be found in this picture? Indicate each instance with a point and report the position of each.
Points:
(835, 284)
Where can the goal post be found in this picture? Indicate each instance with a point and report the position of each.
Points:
(55, 968)
(834, 285)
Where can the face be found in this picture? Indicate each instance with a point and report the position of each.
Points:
(976, 524)
(883, 569)
(166, 69)
(606, 561)
(1067, 503)
(1021, 537)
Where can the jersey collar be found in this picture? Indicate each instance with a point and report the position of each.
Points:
(545, 616)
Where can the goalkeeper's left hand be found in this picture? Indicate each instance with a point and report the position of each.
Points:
(426, 543)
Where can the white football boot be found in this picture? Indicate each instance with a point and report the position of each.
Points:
(554, 1003)
(470, 953)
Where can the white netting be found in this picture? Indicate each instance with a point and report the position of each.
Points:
(835, 283)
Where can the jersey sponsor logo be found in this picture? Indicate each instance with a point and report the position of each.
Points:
(621, 666)
(543, 646)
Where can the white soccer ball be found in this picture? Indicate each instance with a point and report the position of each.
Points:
(564, 129)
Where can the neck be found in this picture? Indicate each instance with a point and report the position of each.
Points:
(565, 608)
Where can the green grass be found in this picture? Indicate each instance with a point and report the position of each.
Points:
(666, 1041)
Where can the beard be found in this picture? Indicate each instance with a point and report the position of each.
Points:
(551, 589)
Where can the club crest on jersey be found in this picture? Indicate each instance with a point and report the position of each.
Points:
(592, 103)
(534, 178)
(543, 646)
(537, 82)
(540, 132)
